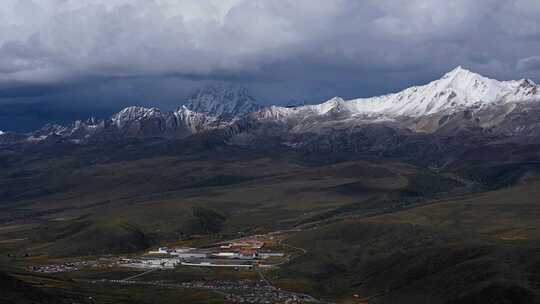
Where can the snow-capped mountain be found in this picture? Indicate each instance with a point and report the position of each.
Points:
(132, 121)
(459, 101)
(140, 121)
(458, 90)
(134, 115)
(225, 101)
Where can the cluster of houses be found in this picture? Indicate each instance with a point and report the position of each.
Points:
(242, 253)
(249, 249)
(244, 249)
(157, 263)
(183, 253)
(65, 267)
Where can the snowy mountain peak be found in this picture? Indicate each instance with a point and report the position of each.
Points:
(466, 81)
(335, 100)
(527, 81)
(456, 90)
(134, 113)
(459, 70)
(334, 104)
(223, 100)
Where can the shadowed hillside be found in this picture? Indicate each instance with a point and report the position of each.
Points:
(385, 230)
(482, 247)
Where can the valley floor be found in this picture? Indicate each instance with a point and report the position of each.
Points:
(352, 232)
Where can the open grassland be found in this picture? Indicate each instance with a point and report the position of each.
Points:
(482, 248)
(386, 231)
(27, 289)
(128, 206)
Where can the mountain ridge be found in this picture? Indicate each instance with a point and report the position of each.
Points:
(457, 89)
(460, 101)
(223, 100)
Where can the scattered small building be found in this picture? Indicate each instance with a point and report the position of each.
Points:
(248, 254)
(227, 255)
(247, 243)
(266, 255)
(190, 255)
(161, 250)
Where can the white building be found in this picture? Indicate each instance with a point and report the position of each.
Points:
(265, 255)
(229, 255)
(189, 255)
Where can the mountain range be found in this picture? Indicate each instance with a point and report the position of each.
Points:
(459, 111)
(428, 195)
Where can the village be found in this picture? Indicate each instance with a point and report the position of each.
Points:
(245, 253)
(241, 291)
(242, 253)
(254, 253)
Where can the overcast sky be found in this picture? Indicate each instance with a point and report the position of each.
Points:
(110, 53)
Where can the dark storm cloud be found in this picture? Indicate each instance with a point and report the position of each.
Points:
(154, 51)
